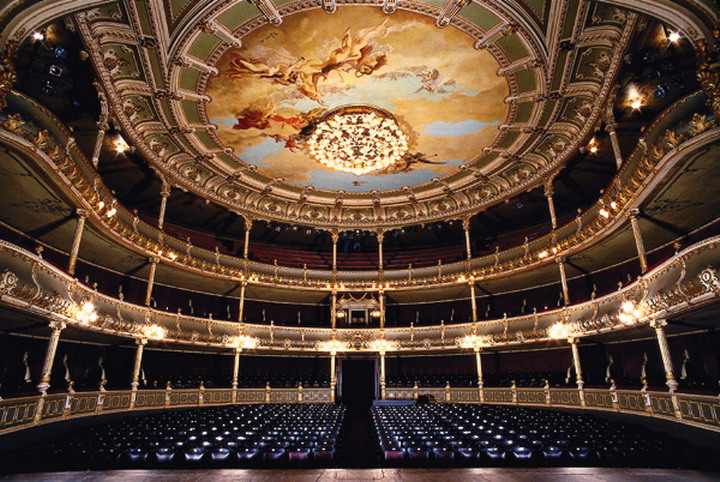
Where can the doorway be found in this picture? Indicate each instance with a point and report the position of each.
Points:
(358, 384)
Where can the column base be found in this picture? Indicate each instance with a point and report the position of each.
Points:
(43, 387)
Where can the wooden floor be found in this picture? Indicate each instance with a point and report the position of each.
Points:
(388, 475)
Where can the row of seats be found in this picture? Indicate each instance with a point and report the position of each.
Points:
(534, 379)
(241, 435)
(158, 380)
(356, 261)
(503, 435)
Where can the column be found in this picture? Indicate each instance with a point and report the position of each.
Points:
(382, 375)
(248, 227)
(578, 369)
(102, 129)
(241, 304)
(164, 195)
(633, 215)
(135, 381)
(335, 236)
(333, 309)
(56, 327)
(473, 302)
(468, 246)
(77, 237)
(236, 368)
(610, 129)
(659, 325)
(380, 238)
(382, 309)
(151, 280)
(551, 204)
(563, 279)
(333, 381)
(478, 366)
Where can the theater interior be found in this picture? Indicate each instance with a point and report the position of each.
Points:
(360, 239)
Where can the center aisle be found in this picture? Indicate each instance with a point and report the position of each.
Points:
(358, 444)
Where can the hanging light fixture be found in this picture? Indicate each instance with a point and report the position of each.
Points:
(358, 139)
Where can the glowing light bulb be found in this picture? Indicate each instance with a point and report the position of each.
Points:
(674, 37)
(636, 104)
(38, 36)
(604, 213)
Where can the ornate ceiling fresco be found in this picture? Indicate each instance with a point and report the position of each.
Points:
(221, 98)
(270, 93)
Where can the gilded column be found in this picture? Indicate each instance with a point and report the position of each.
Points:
(246, 247)
(610, 129)
(335, 237)
(578, 368)
(478, 367)
(236, 373)
(135, 381)
(333, 381)
(382, 375)
(56, 327)
(473, 302)
(551, 203)
(633, 215)
(241, 304)
(382, 308)
(333, 309)
(563, 279)
(468, 245)
(151, 280)
(164, 195)
(103, 126)
(381, 238)
(77, 237)
(659, 326)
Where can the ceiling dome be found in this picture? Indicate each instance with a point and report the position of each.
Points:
(269, 95)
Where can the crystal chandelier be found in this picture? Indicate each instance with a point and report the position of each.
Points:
(358, 139)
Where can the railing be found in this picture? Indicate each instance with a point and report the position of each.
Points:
(20, 413)
(697, 410)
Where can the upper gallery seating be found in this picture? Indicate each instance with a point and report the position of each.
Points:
(534, 379)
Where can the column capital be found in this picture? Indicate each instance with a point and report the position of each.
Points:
(81, 213)
(466, 223)
(573, 340)
(57, 326)
(658, 323)
(141, 341)
(154, 259)
(560, 259)
(248, 222)
(380, 235)
(548, 188)
(335, 235)
(633, 213)
(165, 189)
(610, 126)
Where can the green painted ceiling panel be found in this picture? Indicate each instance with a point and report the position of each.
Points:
(238, 14)
(525, 80)
(203, 45)
(478, 15)
(524, 111)
(190, 109)
(188, 79)
(513, 47)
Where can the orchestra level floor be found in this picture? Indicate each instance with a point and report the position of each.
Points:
(388, 475)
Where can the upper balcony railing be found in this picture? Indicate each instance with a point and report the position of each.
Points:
(677, 285)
